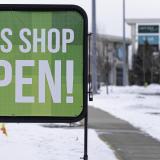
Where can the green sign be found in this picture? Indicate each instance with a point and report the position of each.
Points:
(43, 63)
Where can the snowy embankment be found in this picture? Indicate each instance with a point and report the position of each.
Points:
(36, 142)
(140, 106)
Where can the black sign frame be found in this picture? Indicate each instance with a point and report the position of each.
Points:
(45, 8)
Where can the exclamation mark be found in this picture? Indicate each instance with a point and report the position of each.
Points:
(69, 80)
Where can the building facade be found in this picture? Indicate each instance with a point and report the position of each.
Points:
(145, 37)
(110, 59)
(142, 30)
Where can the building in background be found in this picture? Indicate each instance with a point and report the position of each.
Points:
(145, 37)
(110, 59)
(144, 29)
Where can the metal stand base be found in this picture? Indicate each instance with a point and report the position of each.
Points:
(85, 157)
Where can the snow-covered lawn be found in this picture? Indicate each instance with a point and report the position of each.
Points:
(140, 106)
(36, 142)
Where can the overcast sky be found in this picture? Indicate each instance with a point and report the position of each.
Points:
(109, 12)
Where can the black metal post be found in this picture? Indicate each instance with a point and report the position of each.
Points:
(90, 99)
(86, 135)
(89, 68)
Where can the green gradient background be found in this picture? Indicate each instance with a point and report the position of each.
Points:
(17, 20)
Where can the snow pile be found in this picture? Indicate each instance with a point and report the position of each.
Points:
(151, 89)
(140, 106)
(36, 142)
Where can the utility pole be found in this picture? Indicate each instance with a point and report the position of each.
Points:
(125, 70)
(94, 57)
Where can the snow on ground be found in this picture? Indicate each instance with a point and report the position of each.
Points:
(140, 106)
(36, 142)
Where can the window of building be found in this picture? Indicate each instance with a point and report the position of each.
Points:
(120, 53)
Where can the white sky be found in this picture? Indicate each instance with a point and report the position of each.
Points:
(109, 12)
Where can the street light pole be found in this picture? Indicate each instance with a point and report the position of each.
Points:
(94, 62)
(125, 77)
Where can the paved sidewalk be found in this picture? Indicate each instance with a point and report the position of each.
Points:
(129, 143)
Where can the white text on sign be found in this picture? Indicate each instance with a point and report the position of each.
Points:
(53, 41)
